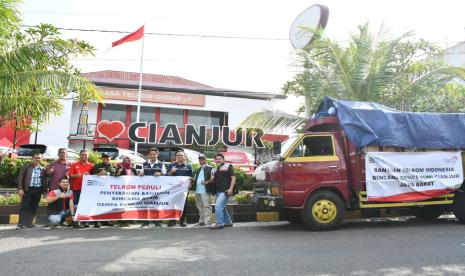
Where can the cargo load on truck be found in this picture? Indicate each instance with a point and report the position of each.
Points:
(373, 124)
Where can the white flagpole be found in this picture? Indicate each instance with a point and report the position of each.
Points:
(139, 97)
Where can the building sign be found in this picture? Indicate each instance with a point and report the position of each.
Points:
(192, 135)
(150, 96)
(132, 198)
(412, 176)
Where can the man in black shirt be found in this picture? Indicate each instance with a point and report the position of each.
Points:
(180, 168)
(224, 179)
(155, 167)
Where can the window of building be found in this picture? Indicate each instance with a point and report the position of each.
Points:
(208, 118)
(114, 112)
(314, 146)
(147, 114)
(171, 116)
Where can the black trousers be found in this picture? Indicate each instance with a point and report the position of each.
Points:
(182, 219)
(29, 205)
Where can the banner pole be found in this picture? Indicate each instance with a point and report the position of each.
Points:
(139, 96)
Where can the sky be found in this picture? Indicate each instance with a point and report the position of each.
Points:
(262, 65)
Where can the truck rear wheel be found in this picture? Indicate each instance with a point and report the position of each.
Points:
(428, 212)
(324, 211)
(293, 216)
(459, 205)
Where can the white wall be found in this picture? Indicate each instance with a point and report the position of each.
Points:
(55, 131)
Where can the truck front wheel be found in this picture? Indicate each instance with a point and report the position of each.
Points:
(324, 211)
(459, 205)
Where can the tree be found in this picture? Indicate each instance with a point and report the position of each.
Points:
(390, 70)
(35, 69)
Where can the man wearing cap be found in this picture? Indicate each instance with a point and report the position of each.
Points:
(203, 189)
(101, 169)
(104, 168)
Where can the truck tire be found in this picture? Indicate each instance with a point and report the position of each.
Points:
(428, 212)
(459, 205)
(293, 216)
(324, 211)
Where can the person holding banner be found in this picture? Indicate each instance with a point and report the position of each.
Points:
(154, 167)
(224, 179)
(60, 203)
(203, 190)
(126, 167)
(102, 169)
(180, 168)
(76, 174)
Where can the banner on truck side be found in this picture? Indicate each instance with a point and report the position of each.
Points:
(132, 198)
(411, 176)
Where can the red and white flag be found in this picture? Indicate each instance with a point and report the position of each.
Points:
(130, 37)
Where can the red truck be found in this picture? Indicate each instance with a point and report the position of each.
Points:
(319, 174)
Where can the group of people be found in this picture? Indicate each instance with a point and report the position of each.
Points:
(61, 184)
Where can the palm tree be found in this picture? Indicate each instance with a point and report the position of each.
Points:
(35, 73)
(391, 71)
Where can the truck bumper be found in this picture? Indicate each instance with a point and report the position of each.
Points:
(268, 201)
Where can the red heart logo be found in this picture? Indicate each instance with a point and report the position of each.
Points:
(110, 130)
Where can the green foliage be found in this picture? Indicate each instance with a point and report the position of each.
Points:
(243, 181)
(14, 200)
(244, 197)
(9, 200)
(35, 69)
(384, 69)
(95, 157)
(191, 198)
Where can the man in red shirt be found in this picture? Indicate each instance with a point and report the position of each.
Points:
(77, 172)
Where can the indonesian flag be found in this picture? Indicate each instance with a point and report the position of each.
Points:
(130, 37)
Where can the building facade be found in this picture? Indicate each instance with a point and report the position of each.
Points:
(165, 99)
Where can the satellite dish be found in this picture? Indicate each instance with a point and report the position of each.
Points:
(314, 17)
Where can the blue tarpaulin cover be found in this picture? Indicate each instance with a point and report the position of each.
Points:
(373, 124)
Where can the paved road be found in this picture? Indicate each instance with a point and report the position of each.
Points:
(376, 247)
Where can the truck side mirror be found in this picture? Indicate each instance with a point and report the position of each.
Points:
(276, 147)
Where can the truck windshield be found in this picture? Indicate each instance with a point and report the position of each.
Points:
(287, 144)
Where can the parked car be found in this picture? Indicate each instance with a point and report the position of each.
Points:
(242, 160)
(48, 152)
(117, 154)
(168, 156)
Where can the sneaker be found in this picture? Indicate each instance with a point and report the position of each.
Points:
(19, 227)
(183, 224)
(85, 224)
(77, 225)
(144, 225)
(158, 224)
(228, 225)
(215, 226)
(124, 224)
(30, 226)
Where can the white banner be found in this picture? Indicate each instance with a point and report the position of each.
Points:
(412, 176)
(132, 198)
